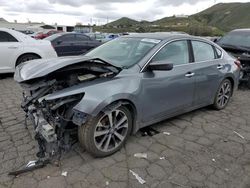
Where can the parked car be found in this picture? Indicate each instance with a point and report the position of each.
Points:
(17, 47)
(237, 43)
(97, 36)
(68, 44)
(122, 86)
(43, 35)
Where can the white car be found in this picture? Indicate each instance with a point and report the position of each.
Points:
(16, 47)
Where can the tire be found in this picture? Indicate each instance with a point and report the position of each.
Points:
(101, 139)
(248, 83)
(27, 57)
(223, 95)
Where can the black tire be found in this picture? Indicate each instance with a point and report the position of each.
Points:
(248, 83)
(87, 138)
(219, 96)
(27, 57)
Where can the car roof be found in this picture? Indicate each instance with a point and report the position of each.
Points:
(17, 34)
(159, 35)
(242, 30)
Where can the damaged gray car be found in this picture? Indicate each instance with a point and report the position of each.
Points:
(102, 97)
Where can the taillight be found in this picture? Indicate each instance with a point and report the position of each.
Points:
(237, 62)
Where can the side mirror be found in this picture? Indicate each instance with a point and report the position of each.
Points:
(59, 42)
(160, 66)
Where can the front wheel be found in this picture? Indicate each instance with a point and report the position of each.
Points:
(105, 134)
(223, 95)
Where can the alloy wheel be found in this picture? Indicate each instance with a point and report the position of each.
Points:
(111, 130)
(224, 94)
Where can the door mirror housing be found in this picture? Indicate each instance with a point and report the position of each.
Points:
(59, 42)
(160, 66)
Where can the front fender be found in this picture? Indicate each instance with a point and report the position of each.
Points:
(93, 106)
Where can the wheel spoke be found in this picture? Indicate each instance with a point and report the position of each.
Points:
(110, 117)
(107, 143)
(102, 141)
(100, 133)
(121, 121)
(119, 136)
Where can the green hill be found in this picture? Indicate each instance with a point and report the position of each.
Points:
(123, 22)
(226, 16)
(215, 20)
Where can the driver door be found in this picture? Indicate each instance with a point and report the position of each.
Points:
(166, 93)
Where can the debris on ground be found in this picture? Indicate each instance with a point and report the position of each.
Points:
(167, 133)
(238, 134)
(48, 177)
(64, 173)
(213, 160)
(107, 183)
(140, 180)
(226, 169)
(31, 163)
(162, 158)
(148, 131)
(141, 155)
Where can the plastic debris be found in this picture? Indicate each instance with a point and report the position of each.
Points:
(141, 155)
(162, 158)
(64, 173)
(167, 133)
(213, 160)
(31, 163)
(107, 183)
(48, 177)
(238, 134)
(140, 180)
(226, 169)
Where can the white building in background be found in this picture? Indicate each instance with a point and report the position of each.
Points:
(35, 27)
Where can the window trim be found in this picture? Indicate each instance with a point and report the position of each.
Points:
(165, 44)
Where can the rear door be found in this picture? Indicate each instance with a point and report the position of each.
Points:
(83, 44)
(209, 71)
(8, 48)
(65, 45)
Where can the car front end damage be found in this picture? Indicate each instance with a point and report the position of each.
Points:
(54, 119)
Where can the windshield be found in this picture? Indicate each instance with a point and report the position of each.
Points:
(124, 52)
(236, 39)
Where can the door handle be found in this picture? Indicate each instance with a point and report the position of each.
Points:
(12, 47)
(190, 74)
(219, 67)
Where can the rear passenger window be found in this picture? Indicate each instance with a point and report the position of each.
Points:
(6, 37)
(202, 51)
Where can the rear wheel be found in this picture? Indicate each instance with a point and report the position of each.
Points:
(223, 95)
(27, 57)
(105, 134)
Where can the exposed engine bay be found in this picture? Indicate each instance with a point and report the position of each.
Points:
(55, 121)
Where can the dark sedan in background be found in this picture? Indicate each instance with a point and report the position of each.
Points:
(237, 43)
(70, 44)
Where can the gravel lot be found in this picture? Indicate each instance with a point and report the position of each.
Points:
(202, 150)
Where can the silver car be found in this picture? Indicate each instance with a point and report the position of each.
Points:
(121, 86)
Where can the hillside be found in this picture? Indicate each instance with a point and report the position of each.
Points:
(123, 22)
(215, 20)
(226, 16)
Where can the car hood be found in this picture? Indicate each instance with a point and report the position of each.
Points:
(42, 67)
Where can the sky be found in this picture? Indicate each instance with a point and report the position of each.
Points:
(70, 12)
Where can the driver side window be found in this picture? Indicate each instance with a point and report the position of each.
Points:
(175, 53)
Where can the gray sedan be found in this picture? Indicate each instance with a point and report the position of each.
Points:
(121, 86)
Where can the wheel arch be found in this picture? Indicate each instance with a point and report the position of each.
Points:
(129, 105)
(27, 53)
